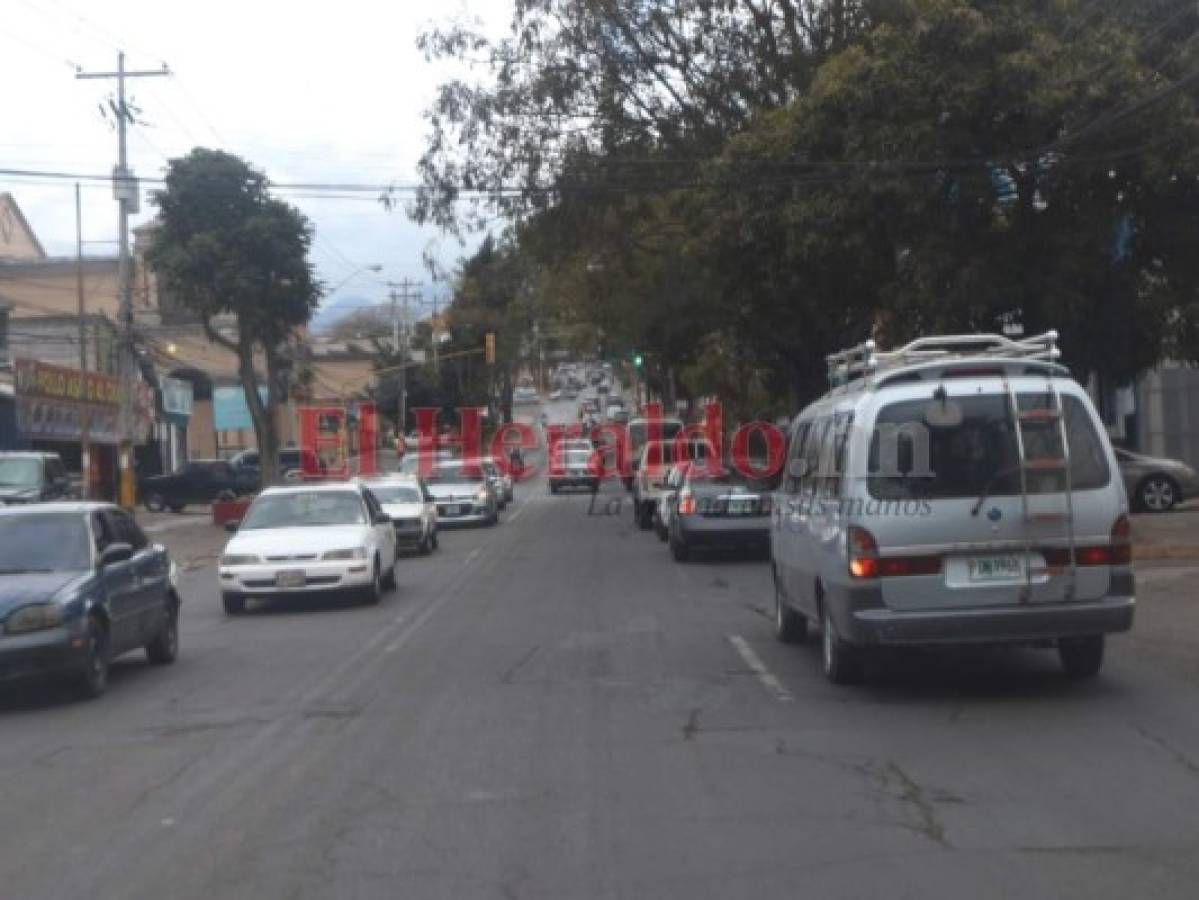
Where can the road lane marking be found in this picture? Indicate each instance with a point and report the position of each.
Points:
(773, 686)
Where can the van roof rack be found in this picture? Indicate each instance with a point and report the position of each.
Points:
(865, 359)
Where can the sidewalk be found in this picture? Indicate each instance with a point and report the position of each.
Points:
(1172, 535)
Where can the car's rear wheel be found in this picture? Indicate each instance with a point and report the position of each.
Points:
(235, 604)
(645, 516)
(164, 649)
(389, 577)
(178, 507)
(679, 549)
(1157, 493)
(434, 539)
(154, 502)
(660, 528)
(790, 627)
(553, 488)
(93, 680)
(842, 662)
(1081, 657)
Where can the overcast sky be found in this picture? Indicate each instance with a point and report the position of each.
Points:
(309, 92)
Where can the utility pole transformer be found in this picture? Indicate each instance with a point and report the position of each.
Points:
(125, 190)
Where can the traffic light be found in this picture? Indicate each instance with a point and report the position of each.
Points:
(637, 360)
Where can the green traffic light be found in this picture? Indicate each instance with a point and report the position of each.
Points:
(637, 360)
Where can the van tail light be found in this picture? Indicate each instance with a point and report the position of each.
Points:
(1118, 552)
(863, 553)
(686, 504)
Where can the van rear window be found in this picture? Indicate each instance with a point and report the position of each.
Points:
(944, 455)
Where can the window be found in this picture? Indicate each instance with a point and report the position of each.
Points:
(43, 542)
(125, 530)
(101, 532)
(793, 474)
(912, 459)
(813, 457)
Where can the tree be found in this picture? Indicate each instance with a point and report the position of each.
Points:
(227, 247)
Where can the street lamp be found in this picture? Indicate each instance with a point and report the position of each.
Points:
(376, 268)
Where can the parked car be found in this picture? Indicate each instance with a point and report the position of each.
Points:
(650, 480)
(725, 510)
(525, 394)
(298, 539)
(412, 509)
(34, 478)
(670, 490)
(932, 500)
(463, 493)
(639, 434)
(80, 584)
(1155, 484)
(291, 463)
(198, 481)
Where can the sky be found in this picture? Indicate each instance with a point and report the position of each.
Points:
(308, 92)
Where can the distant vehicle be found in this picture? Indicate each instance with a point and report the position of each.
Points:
(198, 481)
(81, 584)
(556, 394)
(495, 478)
(718, 511)
(463, 493)
(639, 434)
(504, 486)
(996, 516)
(303, 538)
(412, 509)
(589, 406)
(34, 478)
(650, 480)
(571, 465)
(291, 462)
(1155, 484)
(620, 416)
(411, 463)
(525, 394)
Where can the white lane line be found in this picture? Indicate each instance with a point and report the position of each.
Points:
(520, 509)
(773, 686)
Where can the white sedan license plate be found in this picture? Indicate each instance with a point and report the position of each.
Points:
(290, 579)
(742, 506)
(995, 568)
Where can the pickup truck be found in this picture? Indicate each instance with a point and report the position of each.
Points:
(198, 481)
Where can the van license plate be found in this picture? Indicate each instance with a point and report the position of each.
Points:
(290, 579)
(995, 568)
(742, 506)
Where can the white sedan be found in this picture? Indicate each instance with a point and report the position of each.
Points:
(300, 539)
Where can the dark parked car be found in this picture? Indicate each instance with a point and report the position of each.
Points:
(1156, 485)
(199, 481)
(290, 463)
(34, 478)
(80, 584)
(719, 511)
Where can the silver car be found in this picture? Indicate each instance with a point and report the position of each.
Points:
(1155, 484)
(960, 490)
(412, 509)
(463, 493)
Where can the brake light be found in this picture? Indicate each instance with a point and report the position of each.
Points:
(1122, 541)
(863, 553)
(686, 504)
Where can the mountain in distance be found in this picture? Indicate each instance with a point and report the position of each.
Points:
(337, 308)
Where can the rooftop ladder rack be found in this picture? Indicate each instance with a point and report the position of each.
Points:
(866, 359)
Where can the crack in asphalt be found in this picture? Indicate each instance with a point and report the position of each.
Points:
(912, 796)
(1179, 757)
(510, 676)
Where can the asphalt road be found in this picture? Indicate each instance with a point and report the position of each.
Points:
(553, 708)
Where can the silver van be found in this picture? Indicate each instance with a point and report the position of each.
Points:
(960, 490)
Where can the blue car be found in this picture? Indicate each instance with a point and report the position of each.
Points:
(80, 584)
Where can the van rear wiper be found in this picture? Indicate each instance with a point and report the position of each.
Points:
(982, 497)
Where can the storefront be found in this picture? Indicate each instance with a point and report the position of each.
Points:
(77, 415)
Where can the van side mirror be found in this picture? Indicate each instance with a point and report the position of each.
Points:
(115, 553)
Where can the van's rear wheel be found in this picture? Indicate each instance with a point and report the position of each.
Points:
(842, 662)
(1081, 657)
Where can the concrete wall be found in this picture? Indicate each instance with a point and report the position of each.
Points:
(1168, 407)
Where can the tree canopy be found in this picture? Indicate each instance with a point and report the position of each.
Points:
(226, 247)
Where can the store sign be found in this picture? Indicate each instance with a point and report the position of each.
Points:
(56, 403)
(229, 409)
(176, 396)
(40, 380)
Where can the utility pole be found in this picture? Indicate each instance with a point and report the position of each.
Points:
(407, 290)
(85, 454)
(126, 191)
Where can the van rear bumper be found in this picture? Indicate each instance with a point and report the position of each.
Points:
(993, 625)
